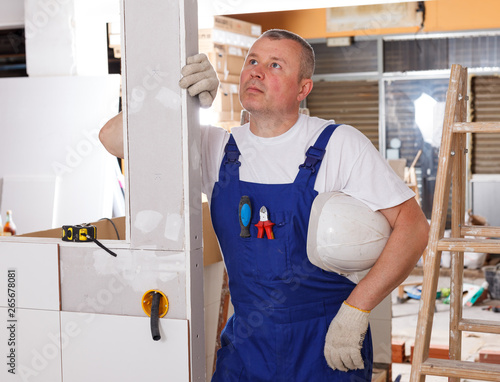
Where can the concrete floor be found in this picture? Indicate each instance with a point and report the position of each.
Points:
(404, 324)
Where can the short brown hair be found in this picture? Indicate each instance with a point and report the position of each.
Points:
(307, 60)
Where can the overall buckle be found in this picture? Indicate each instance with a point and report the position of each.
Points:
(313, 156)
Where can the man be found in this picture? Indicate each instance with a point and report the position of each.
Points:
(294, 321)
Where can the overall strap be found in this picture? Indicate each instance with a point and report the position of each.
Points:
(314, 155)
(230, 163)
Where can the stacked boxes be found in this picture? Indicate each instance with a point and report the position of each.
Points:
(114, 38)
(226, 46)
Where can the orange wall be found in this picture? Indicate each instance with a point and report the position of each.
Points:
(441, 16)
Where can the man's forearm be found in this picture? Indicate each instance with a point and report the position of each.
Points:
(111, 135)
(402, 251)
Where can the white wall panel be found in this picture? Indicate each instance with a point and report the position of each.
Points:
(36, 269)
(94, 281)
(31, 348)
(11, 14)
(50, 127)
(119, 348)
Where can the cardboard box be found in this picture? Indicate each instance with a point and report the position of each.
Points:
(229, 78)
(208, 37)
(237, 26)
(227, 59)
(228, 116)
(211, 250)
(228, 125)
(106, 231)
(227, 98)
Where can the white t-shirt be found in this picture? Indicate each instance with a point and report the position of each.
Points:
(351, 163)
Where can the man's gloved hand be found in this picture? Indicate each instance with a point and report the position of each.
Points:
(199, 78)
(344, 338)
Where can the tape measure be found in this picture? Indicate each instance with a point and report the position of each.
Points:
(81, 232)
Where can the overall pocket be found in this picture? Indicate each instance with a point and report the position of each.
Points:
(267, 259)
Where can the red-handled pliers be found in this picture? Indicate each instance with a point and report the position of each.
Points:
(264, 224)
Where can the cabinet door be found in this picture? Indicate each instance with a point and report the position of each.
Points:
(102, 347)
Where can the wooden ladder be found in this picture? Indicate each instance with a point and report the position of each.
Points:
(452, 171)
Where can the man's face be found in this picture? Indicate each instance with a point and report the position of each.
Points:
(269, 80)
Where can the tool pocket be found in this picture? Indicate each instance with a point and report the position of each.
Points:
(268, 259)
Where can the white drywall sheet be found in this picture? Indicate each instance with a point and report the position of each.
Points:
(35, 270)
(162, 138)
(69, 37)
(119, 348)
(49, 127)
(31, 346)
(93, 281)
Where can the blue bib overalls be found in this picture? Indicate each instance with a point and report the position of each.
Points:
(283, 304)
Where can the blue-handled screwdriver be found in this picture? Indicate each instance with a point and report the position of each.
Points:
(245, 215)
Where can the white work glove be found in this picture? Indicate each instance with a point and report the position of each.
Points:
(200, 79)
(344, 338)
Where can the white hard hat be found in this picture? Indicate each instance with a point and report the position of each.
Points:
(344, 234)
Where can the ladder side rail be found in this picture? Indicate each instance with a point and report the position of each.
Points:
(438, 220)
(457, 220)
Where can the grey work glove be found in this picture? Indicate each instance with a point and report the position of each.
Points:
(344, 338)
(199, 78)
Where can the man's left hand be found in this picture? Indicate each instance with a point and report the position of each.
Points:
(344, 338)
(199, 78)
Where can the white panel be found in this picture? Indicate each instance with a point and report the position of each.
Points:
(163, 148)
(486, 198)
(11, 14)
(119, 348)
(154, 111)
(49, 32)
(23, 195)
(94, 281)
(31, 346)
(50, 126)
(36, 268)
(67, 37)
(91, 40)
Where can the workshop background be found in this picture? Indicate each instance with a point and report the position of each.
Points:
(383, 68)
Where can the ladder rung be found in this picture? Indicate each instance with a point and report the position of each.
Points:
(469, 245)
(475, 230)
(476, 127)
(481, 326)
(459, 369)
